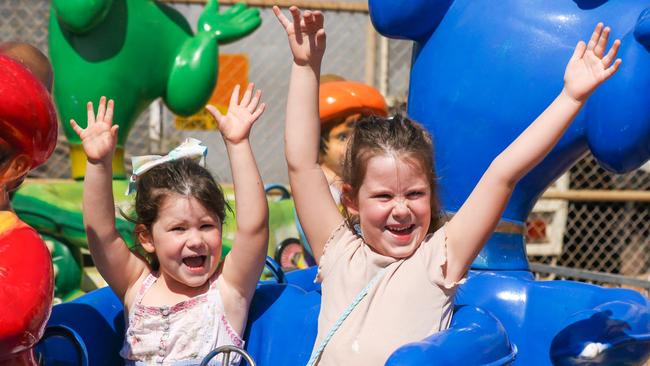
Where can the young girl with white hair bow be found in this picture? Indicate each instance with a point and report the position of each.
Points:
(180, 212)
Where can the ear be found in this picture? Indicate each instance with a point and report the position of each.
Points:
(144, 238)
(349, 200)
(14, 171)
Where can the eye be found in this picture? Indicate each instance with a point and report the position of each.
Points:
(415, 194)
(207, 226)
(178, 228)
(382, 196)
(343, 136)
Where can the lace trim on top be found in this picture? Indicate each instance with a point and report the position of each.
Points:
(234, 337)
(158, 310)
(441, 266)
(319, 276)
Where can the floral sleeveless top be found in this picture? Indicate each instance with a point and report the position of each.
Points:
(178, 335)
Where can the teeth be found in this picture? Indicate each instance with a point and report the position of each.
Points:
(393, 228)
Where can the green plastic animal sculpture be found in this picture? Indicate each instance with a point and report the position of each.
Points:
(135, 51)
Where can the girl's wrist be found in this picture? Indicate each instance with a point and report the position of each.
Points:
(243, 141)
(314, 65)
(105, 165)
(571, 99)
(103, 162)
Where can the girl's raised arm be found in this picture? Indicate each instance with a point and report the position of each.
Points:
(475, 221)
(116, 263)
(243, 265)
(316, 208)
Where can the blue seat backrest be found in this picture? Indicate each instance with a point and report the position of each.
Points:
(282, 325)
(96, 318)
(281, 328)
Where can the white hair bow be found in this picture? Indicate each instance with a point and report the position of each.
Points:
(190, 148)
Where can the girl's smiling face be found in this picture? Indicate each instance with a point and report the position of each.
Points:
(393, 204)
(186, 239)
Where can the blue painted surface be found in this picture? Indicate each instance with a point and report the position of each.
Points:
(481, 72)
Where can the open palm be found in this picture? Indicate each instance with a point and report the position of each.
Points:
(100, 135)
(236, 22)
(306, 34)
(236, 125)
(590, 66)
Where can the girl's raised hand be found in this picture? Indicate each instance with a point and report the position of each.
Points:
(306, 34)
(590, 66)
(236, 125)
(100, 135)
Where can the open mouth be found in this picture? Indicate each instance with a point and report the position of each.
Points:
(195, 262)
(401, 230)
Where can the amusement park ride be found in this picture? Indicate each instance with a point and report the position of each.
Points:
(481, 71)
(28, 131)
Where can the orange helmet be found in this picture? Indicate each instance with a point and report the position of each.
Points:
(27, 116)
(341, 98)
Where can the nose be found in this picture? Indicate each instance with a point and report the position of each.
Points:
(400, 209)
(194, 239)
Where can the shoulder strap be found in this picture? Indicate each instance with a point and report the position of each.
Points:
(146, 285)
(317, 352)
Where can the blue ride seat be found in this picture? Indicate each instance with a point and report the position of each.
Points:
(282, 327)
(501, 317)
(86, 331)
(553, 322)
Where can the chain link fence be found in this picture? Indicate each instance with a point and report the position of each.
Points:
(618, 232)
(611, 237)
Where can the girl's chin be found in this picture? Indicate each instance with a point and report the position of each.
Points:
(403, 247)
(402, 252)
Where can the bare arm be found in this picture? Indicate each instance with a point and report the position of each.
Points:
(115, 262)
(243, 265)
(470, 228)
(316, 208)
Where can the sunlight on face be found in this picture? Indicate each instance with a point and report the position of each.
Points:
(187, 242)
(394, 205)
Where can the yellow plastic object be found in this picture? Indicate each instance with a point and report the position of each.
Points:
(78, 162)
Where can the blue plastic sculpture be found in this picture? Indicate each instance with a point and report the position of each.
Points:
(481, 72)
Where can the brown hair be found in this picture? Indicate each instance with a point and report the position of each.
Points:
(398, 135)
(184, 177)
